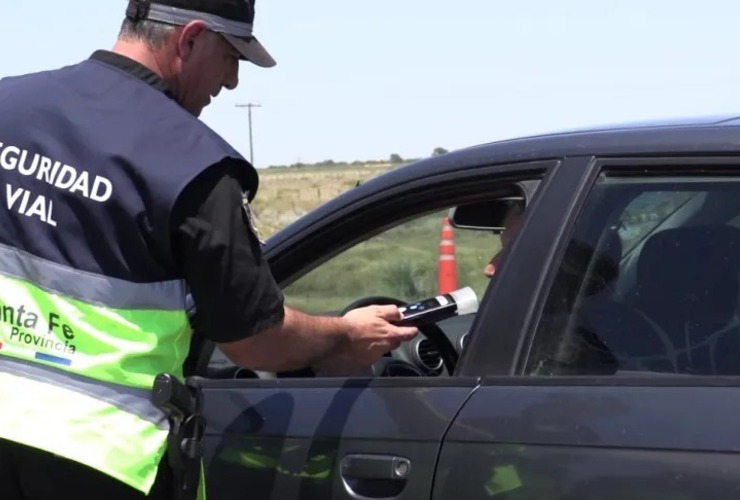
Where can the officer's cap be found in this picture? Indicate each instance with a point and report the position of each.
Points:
(233, 19)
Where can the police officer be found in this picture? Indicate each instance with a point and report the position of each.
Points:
(118, 202)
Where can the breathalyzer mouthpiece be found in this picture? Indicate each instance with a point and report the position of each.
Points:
(466, 300)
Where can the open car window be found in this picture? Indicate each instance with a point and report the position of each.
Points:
(404, 262)
(401, 262)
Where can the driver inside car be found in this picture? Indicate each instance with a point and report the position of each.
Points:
(510, 225)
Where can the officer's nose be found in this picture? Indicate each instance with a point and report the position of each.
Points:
(232, 79)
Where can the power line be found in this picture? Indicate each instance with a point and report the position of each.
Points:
(249, 107)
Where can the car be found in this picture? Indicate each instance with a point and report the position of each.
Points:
(602, 361)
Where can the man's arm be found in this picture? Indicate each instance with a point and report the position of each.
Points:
(302, 340)
(239, 305)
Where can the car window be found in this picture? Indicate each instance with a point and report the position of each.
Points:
(648, 282)
(401, 262)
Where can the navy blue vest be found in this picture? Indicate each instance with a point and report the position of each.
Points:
(92, 161)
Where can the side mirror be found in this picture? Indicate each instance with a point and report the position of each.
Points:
(487, 215)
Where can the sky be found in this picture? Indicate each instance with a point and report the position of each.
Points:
(361, 80)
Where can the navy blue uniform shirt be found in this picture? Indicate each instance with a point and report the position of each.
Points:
(219, 256)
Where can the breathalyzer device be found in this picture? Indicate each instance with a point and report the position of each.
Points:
(443, 306)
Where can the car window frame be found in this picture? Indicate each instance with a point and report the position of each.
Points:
(470, 185)
(512, 300)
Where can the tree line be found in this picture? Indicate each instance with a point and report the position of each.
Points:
(394, 159)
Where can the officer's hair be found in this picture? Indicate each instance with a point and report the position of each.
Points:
(152, 33)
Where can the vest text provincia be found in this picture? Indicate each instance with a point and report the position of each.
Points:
(24, 330)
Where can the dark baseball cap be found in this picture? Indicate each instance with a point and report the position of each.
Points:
(232, 19)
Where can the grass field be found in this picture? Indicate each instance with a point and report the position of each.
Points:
(288, 193)
(401, 262)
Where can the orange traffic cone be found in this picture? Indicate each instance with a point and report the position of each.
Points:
(447, 267)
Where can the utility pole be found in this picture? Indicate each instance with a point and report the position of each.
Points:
(249, 107)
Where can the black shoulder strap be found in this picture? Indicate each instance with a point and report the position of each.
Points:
(201, 348)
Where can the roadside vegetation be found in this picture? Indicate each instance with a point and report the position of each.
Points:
(287, 192)
(408, 272)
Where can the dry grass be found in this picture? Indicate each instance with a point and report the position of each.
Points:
(288, 193)
(408, 267)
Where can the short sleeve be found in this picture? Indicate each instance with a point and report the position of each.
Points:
(220, 257)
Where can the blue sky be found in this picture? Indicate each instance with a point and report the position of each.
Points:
(365, 79)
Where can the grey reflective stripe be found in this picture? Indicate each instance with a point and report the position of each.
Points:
(134, 401)
(176, 16)
(91, 288)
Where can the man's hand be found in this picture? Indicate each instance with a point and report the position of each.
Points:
(371, 333)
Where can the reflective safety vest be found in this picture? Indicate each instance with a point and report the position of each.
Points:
(79, 355)
(92, 305)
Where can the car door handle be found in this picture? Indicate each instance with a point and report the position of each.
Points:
(375, 476)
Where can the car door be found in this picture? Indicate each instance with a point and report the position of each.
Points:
(625, 384)
(296, 436)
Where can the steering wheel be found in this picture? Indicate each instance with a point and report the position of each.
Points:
(431, 331)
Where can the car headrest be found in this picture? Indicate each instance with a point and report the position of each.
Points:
(690, 270)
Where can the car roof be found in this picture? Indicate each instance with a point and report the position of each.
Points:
(708, 134)
(663, 134)
(674, 122)
(703, 134)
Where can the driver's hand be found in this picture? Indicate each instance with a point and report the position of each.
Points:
(372, 334)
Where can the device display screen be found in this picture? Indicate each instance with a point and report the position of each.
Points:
(422, 306)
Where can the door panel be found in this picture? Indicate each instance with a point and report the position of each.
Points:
(626, 381)
(531, 442)
(300, 438)
(266, 440)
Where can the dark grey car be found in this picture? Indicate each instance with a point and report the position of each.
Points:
(603, 361)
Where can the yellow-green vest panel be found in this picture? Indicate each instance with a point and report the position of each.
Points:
(85, 349)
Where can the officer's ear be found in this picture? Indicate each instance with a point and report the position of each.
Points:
(189, 37)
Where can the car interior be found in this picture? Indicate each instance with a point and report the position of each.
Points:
(649, 283)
